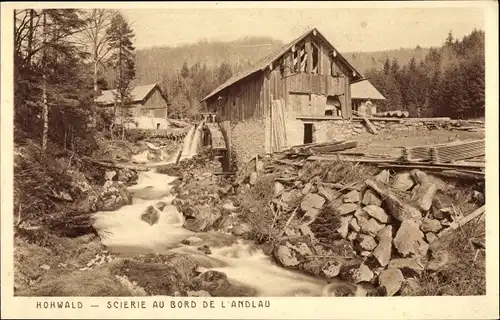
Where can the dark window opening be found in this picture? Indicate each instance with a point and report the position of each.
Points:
(308, 133)
(315, 59)
(299, 54)
(157, 126)
(329, 112)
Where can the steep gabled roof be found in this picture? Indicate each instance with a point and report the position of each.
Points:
(262, 64)
(365, 90)
(137, 94)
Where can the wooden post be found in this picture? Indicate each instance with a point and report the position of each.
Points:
(226, 131)
(309, 56)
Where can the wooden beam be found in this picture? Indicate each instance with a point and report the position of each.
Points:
(309, 56)
(456, 224)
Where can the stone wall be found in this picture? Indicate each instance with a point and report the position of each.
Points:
(248, 139)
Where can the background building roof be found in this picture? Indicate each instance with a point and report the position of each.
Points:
(365, 90)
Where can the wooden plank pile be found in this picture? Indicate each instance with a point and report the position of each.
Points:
(321, 148)
(445, 153)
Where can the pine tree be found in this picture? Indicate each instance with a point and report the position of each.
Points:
(224, 72)
(122, 58)
(185, 70)
(387, 66)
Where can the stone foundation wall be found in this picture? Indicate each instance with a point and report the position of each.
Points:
(248, 139)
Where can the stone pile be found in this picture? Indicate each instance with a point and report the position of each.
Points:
(379, 231)
(199, 192)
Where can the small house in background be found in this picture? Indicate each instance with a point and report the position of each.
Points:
(365, 97)
(148, 106)
(277, 102)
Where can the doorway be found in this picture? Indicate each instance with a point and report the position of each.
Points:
(308, 133)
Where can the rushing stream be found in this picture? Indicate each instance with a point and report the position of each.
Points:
(123, 232)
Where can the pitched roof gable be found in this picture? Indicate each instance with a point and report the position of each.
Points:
(365, 90)
(137, 94)
(271, 58)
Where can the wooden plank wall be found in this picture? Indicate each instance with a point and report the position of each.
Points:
(251, 99)
(242, 101)
(317, 84)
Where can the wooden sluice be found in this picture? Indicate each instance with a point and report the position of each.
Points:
(215, 137)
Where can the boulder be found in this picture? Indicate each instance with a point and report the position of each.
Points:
(391, 280)
(109, 175)
(331, 268)
(241, 229)
(253, 178)
(307, 188)
(205, 249)
(366, 242)
(426, 190)
(430, 237)
(394, 206)
(312, 201)
(343, 230)
(370, 226)
(384, 248)
(409, 266)
(112, 197)
(285, 256)
(370, 197)
(403, 182)
(150, 215)
(192, 240)
(383, 176)
(352, 236)
(362, 274)
(430, 225)
(160, 205)
(200, 218)
(351, 197)
(354, 225)
(229, 207)
(278, 188)
(326, 192)
(346, 208)
(218, 285)
(377, 212)
(408, 238)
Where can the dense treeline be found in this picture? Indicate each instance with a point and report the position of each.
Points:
(60, 56)
(187, 86)
(449, 81)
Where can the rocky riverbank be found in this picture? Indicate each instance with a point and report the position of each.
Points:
(336, 220)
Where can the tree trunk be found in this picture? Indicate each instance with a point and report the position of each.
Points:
(45, 107)
(30, 38)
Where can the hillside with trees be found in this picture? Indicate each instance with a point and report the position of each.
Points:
(189, 72)
(449, 81)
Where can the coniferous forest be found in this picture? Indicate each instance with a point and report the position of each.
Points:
(449, 81)
(427, 82)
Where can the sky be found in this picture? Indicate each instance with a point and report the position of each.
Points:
(358, 29)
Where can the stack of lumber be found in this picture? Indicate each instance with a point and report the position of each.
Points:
(393, 114)
(322, 148)
(445, 153)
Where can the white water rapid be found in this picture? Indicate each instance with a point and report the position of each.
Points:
(123, 232)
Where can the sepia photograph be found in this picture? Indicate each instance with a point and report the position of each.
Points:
(245, 153)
